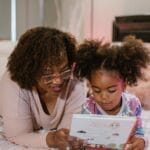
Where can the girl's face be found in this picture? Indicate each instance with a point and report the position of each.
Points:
(107, 88)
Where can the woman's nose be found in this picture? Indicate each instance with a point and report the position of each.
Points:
(57, 79)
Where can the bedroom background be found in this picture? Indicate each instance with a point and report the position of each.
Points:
(83, 18)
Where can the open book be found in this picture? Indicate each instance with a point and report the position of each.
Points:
(107, 130)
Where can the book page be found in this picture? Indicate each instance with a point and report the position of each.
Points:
(111, 131)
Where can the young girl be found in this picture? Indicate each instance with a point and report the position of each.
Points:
(109, 69)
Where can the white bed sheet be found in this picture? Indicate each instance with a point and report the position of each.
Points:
(146, 124)
(6, 145)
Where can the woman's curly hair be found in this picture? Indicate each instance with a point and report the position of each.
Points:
(127, 58)
(36, 48)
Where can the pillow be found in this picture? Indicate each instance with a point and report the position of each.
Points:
(142, 90)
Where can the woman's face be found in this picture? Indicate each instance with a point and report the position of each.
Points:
(107, 88)
(53, 78)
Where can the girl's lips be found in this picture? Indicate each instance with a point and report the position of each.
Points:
(107, 105)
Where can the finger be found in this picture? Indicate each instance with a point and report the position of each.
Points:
(138, 144)
(76, 143)
(61, 138)
(71, 138)
(63, 134)
(128, 147)
(66, 131)
(62, 144)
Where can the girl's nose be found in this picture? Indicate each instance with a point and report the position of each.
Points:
(104, 97)
(103, 94)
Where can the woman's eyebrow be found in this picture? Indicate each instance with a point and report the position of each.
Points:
(47, 70)
(65, 67)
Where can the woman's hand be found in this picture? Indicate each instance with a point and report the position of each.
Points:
(58, 139)
(75, 143)
(136, 143)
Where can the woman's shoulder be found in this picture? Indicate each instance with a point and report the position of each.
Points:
(6, 78)
(77, 88)
(79, 84)
(7, 83)
(10, 89)
(12, 96)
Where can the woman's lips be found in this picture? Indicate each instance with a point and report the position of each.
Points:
(56, 88)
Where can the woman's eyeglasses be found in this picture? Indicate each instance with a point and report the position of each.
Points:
(48, 79)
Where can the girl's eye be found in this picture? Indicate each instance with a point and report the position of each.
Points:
(111, 90)
(96, 90)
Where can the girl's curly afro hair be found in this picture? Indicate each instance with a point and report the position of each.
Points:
(127, 58)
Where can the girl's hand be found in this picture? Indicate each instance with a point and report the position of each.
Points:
(136, 143)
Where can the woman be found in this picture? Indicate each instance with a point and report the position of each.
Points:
(38, 92)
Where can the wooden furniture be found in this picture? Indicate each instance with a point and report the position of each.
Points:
(138, 25)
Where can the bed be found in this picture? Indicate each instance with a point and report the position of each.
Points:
(142, 90)
(6, 145)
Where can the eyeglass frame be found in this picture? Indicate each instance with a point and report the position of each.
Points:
(48, 79)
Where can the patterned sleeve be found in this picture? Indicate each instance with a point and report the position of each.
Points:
(136, 107)
(84, 110)
(139, 129)
(89, 106)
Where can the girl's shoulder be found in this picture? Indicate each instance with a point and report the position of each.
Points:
(130, 98)
(89, 105)
(90, 101)
(131, 103)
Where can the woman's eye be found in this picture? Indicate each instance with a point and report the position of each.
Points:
(64, 68)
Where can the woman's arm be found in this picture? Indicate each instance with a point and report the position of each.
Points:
(73, 104)
(18, 121)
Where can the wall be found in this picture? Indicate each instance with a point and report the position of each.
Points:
(67, 15)
(5, 16)
(74, 16)
(28, 15)
(6, 48)
(104, 12)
